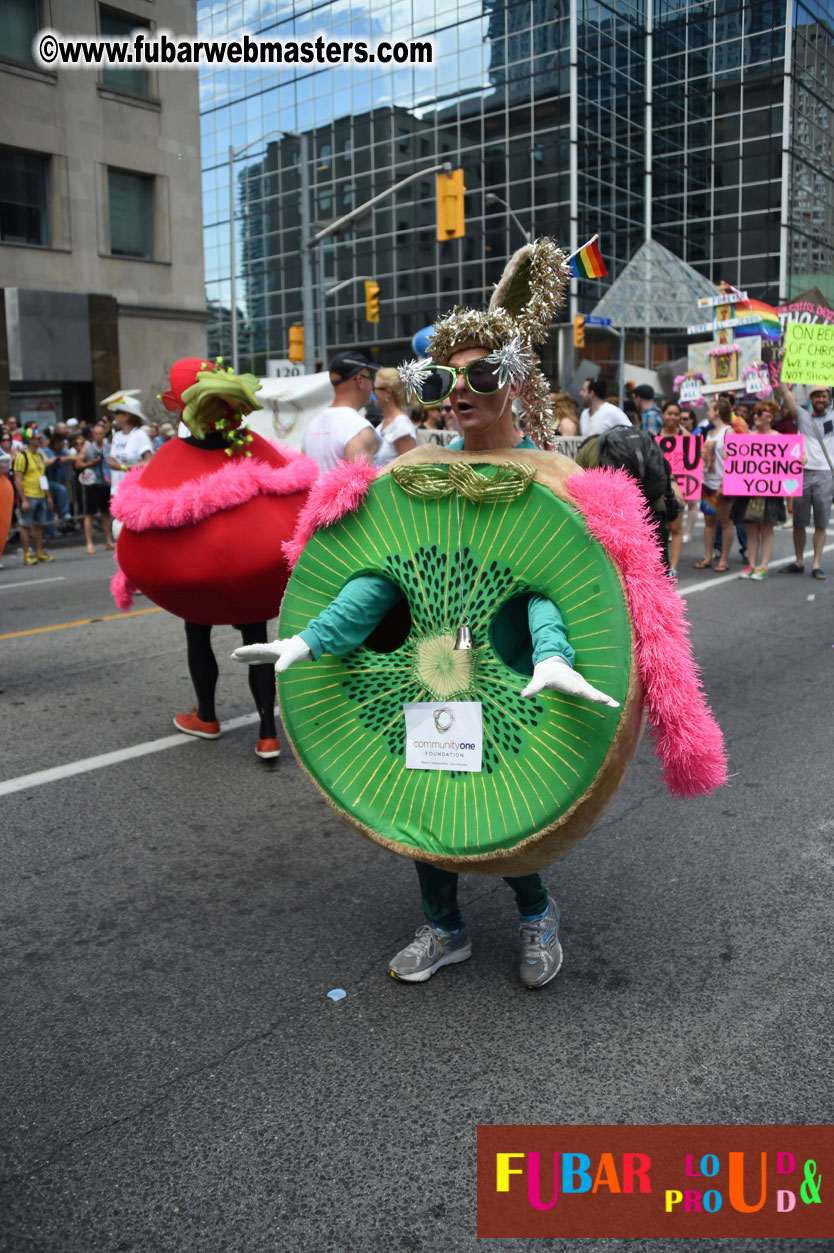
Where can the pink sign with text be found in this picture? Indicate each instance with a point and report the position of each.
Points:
(763, 465)
(683, 452)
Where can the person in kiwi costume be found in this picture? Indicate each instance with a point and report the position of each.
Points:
(201, 533)
(482, 362)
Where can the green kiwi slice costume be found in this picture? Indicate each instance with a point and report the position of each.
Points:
(523, 568)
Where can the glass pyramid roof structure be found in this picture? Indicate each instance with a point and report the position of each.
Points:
(656, 290)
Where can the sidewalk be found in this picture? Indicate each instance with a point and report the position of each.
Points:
(12, 554)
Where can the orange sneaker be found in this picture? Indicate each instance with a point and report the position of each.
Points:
(190, 724)
(268, 748)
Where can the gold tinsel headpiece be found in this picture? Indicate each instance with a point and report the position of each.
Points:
(519, 315)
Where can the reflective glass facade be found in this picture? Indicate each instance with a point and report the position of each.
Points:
(811, 193)
(544, 105)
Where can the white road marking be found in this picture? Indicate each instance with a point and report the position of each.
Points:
(71, 768)
(59, 578)
(112, 759)
(728, 578)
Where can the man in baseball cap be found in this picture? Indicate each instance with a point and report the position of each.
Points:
(651, 419)
(818, 479)
(342, 432)
(347, 364)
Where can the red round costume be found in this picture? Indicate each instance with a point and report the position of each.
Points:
(203, 521)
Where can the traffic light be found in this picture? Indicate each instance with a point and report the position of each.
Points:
(579, 330)
(371, 301)
(450, 192)
(296, 352)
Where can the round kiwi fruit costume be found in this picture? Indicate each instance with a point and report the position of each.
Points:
(551, 574)
(202, 526)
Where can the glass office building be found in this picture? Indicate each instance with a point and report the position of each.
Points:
(708, 126)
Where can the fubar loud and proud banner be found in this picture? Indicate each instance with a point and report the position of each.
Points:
(700, 1182)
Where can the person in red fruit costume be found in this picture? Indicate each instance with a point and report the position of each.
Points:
(201, 531)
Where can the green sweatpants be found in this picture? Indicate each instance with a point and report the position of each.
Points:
(439, 889)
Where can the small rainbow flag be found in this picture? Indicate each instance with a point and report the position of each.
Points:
(587, 261)
(769, 325)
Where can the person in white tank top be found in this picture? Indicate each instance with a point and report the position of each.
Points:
(339, 432)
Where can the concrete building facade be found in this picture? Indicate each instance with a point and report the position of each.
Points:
(101, 250)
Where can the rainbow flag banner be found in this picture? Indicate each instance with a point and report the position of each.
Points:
(587, 261)
(769, 326)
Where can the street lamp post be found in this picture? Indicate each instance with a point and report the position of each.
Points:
(491, 198)
(307, 297)
(335, 228)
(306, 258)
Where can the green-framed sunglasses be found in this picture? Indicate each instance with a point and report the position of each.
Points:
(438, 381)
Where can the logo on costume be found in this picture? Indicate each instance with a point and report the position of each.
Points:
(428, 744)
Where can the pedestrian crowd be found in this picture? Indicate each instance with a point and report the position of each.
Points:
(61, 479)
(747, 521)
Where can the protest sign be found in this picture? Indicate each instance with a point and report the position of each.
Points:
(809, 354)
(441, 438)
(763, 465)
(809, 306)
(567, 445)
(683, 452)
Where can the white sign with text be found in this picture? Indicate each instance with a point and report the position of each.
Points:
(443, 735)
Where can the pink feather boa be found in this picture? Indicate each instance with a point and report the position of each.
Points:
(687, 739)
(143, 509)
(341, 491)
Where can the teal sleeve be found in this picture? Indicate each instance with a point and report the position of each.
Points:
(547, 629)
(351, 616)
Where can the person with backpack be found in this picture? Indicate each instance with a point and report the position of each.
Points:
(637, 452)
(34, 496)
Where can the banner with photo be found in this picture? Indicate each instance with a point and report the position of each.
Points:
(723, 372)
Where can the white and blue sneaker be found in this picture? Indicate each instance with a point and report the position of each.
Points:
(430, 949)
(541, 952)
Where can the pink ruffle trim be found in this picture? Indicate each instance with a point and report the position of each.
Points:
(687, 739)
(144, 509)
(121, 588)
(341, 491)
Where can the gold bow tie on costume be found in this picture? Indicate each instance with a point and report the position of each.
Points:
(432, 482)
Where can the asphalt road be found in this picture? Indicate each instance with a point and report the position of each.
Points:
(174, 1076)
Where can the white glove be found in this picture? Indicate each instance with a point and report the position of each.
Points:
(555, 675)
(283, 653)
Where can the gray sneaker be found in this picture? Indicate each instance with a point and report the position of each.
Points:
(541, 952)
(430, 949)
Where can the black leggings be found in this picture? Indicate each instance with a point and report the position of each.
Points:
(439, 889)
(203, 670)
